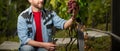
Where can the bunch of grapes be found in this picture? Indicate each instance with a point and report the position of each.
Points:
(72, 6)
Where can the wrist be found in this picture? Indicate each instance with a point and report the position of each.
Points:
(42, 44)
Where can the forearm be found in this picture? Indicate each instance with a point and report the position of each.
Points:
(42, 44)
(68, 23)
(35, 43)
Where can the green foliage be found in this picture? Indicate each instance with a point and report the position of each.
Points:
(98, 10)
(10, 38)
(99, 44)
(9, 11)
(92, 12)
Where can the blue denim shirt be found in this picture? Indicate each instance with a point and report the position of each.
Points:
(46, 33)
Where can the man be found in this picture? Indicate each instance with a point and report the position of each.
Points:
(34, 27)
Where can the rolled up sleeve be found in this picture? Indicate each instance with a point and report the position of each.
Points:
(22, 30)
(57, 21)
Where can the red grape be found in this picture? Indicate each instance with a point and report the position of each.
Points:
(72, 5)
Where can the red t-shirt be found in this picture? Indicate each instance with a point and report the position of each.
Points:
(37, 18)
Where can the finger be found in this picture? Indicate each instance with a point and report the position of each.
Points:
(52, 48)
(53, 45)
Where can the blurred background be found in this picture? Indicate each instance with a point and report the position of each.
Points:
(93, 14)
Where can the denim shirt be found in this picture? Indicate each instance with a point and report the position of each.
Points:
(46, 33)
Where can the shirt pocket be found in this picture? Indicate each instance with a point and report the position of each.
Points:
(49, 27)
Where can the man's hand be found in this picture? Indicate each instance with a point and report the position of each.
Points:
(74, 14)
(49, 46)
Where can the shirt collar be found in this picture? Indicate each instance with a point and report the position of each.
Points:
(30, 10)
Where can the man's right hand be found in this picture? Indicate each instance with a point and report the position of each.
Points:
(49, 46)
